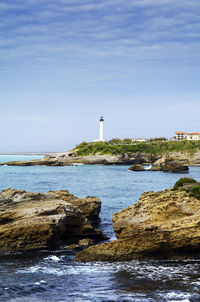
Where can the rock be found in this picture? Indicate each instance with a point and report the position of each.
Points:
(81, 245)
(174, 166)
(84, 243)
(170, 164)
(73, 247)
(31, 221)
(36, 162)
(70, 158)
(89, 206)
(137, 167)
(130, 158)
(163, 224)
(155, 168)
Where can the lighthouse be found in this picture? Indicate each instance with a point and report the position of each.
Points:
(101, 129)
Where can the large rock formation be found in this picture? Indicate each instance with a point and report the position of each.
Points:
(43, 221)
(163, 224)
(131, 158)
(90, 206)
(70, 159)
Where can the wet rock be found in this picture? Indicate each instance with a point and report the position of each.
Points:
(31, 221)
(84, 243)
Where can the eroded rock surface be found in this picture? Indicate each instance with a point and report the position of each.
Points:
(170, 164)
(163, 224)
(43, 221)
(70, 158)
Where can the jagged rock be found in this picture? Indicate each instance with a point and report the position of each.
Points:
(90, 206)
(81, 245)
(170, 164)
(70, 158)
(131, 158)
(163, 224)
(43, 221)
(84, 243)
(174, 167)
(137, 167)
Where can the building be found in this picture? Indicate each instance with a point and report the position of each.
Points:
(139, 140)
(193, 136)
(101, 130)
(181, 135)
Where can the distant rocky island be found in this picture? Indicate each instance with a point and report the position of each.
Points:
(106, 153)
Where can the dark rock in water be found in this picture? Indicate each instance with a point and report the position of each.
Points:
(31, 221)
(170, 164)
(137, 167)
(173, 166)
(163, 224)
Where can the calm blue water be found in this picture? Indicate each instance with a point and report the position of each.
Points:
(56, 277)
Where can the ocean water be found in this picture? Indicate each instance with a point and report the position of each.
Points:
(54, 276)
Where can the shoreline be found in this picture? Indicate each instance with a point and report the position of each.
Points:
(24, 153)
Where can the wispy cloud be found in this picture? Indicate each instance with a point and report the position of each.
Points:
(73, 36)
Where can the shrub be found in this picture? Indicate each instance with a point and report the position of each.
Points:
(182, 181)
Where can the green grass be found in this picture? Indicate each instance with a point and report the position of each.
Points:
(152, 147)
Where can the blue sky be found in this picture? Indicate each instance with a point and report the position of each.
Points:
(64, 63)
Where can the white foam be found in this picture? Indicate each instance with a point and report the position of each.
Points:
(43, 281)
(53, 258)
(178, 297)
(40, 282)
(185, 300)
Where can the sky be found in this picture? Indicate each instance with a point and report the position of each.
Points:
(64, 63)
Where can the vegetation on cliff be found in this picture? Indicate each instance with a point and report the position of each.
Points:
(183, 181)
(189, 185)
(117, 146)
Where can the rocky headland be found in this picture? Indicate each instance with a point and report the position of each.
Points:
(30, 221)
(164, 224)
(132, 158)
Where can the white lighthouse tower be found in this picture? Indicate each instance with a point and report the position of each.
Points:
(101, 129)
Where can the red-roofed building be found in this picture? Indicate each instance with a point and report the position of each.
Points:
(180, 135)
(193, 136)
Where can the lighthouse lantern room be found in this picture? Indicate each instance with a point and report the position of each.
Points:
(101, 129)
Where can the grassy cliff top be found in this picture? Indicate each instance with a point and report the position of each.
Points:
(152, 147)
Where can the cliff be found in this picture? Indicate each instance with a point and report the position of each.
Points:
(163, 224)
(107, 154)
(31, 221)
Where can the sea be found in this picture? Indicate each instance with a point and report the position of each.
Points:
(54, 276)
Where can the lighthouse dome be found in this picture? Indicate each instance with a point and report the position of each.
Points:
(101, 119)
